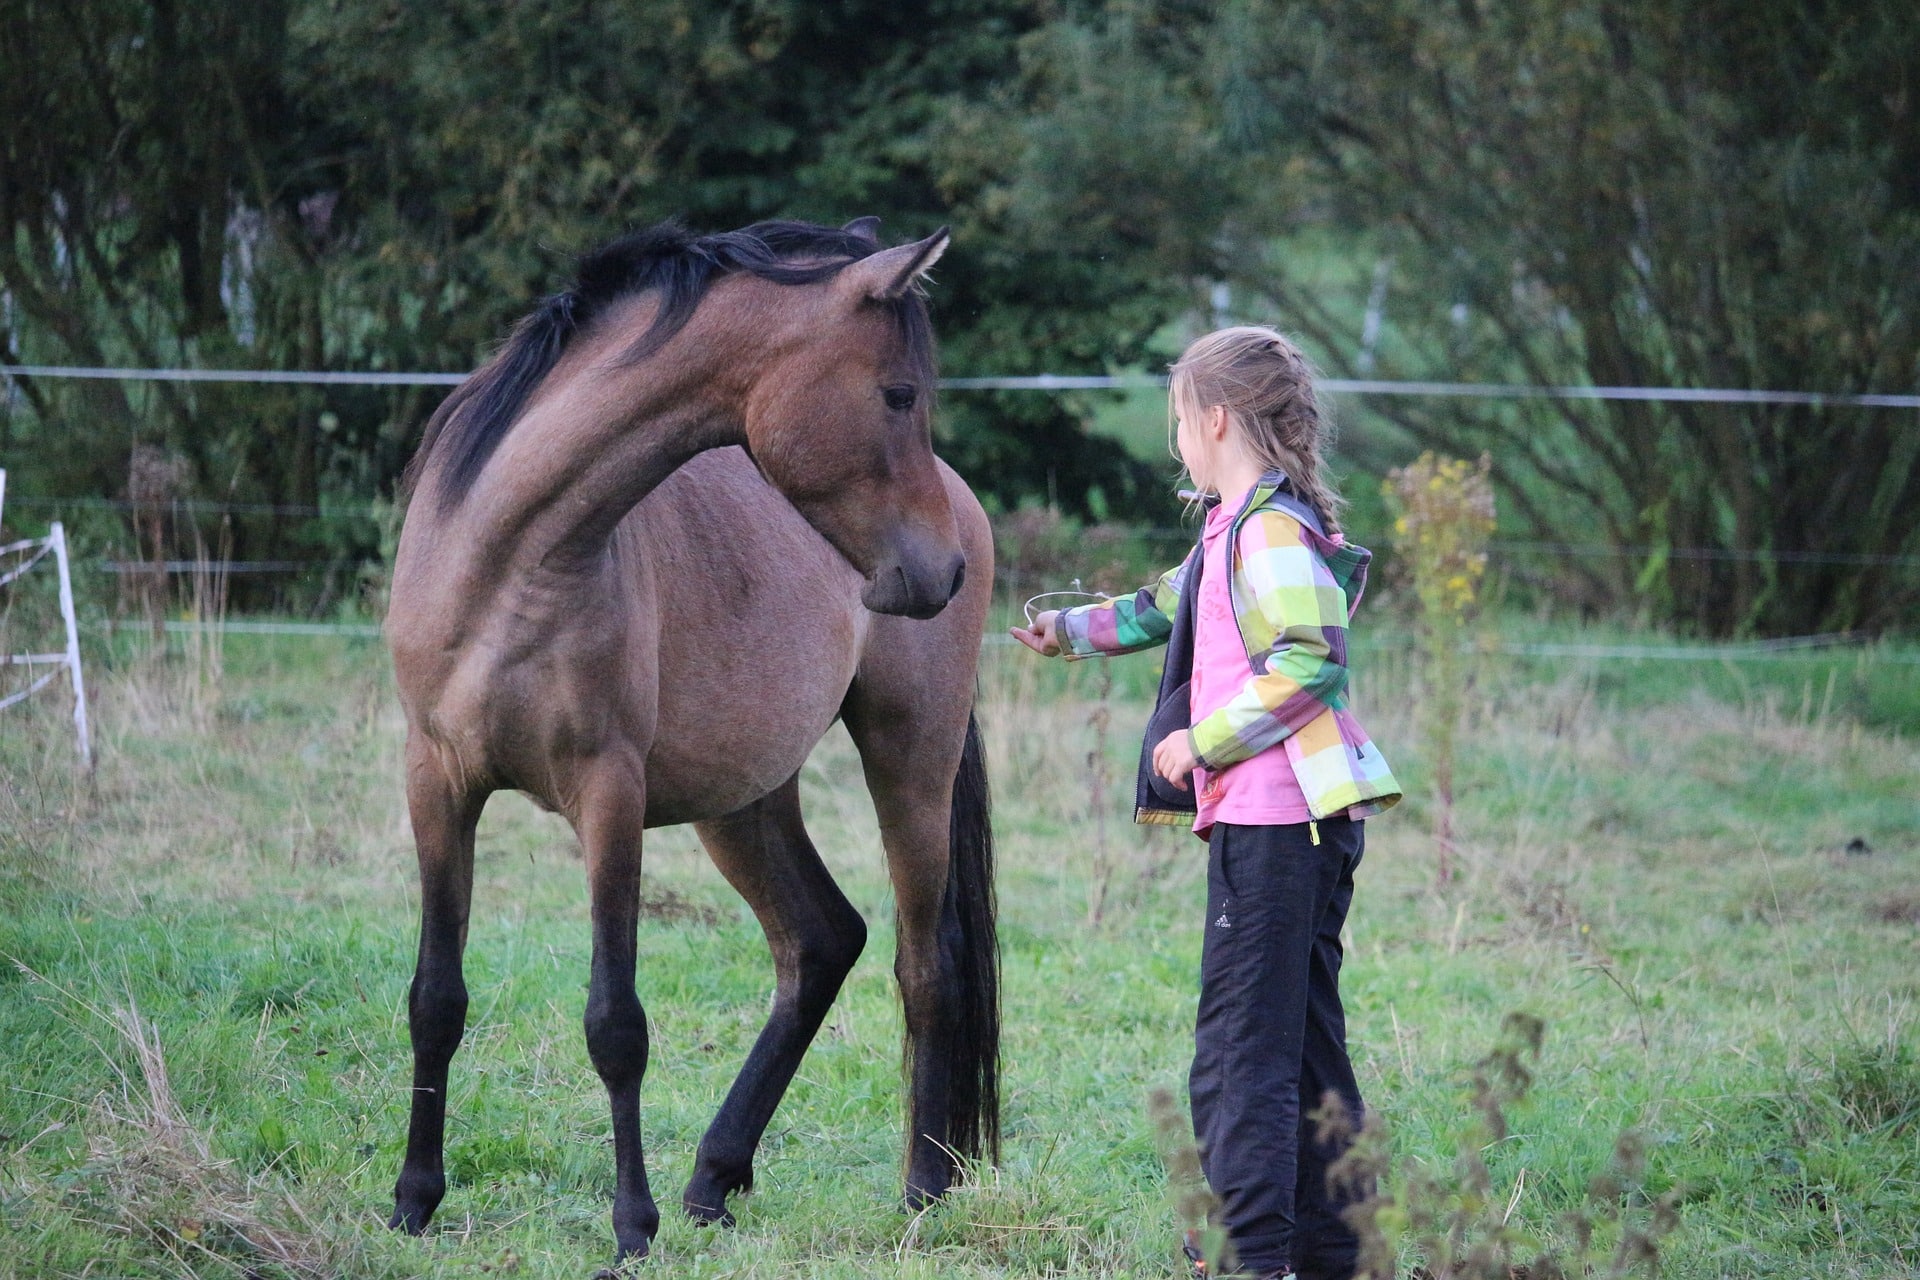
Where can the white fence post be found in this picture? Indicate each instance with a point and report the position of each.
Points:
(59, 536)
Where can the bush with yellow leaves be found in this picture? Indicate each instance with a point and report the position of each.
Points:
(1444, 519)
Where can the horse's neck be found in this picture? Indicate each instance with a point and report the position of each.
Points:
(595, 441)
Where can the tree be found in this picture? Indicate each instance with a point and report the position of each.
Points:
(117, 200)
(1627, 193)
(363, 185)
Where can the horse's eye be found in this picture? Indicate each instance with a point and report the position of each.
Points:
(901, 398)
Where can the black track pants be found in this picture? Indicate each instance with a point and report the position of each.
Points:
(1271, 1039)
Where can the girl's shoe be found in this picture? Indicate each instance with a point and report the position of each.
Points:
(1197, 1261)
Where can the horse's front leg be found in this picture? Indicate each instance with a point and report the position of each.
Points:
(444, 817)
(609, 820)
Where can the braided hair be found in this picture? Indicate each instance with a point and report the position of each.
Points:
(1266, 386)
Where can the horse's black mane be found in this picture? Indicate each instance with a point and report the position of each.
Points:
(666, 258)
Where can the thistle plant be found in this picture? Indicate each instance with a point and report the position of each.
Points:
(1444, 517)
(1194, 1203)
(1458, 1223)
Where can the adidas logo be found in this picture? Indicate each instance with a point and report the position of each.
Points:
(1223, 922)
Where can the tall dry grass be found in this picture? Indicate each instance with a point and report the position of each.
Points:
(152, 1175)
(1062, 744)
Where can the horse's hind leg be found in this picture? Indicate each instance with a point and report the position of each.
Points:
(443, 823)
(922, 761)
(815, 936)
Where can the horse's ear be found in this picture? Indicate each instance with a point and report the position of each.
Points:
(891, 273)
(867, 228)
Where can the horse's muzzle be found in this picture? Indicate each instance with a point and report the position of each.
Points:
(915, 587)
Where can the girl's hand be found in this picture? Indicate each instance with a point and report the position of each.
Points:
(1173, 758)
(1041, 638)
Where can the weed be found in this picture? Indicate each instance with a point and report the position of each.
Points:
(1456, 1224)
(1195, 1205)
(1444, 518)
(1039, 549)
(670, 906)
(151, 1174)
(1878, 1088)
(1898, 908)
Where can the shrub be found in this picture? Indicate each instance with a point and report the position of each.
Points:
(1444, 517)
(1455, 1221)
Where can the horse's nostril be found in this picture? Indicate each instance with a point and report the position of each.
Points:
(959, 577)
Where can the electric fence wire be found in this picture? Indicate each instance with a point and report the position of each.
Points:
(1046, 382)
(1035, 382)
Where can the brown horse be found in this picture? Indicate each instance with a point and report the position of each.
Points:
(599, 602)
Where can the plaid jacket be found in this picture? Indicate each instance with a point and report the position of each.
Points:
(1293, 592)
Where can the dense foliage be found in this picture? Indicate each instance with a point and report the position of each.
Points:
(373, 186)
(1614, 191)
(1629, 194)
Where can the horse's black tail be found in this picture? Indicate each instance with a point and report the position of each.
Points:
(972, 944)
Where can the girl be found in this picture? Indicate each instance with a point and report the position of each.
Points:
(1253, 738)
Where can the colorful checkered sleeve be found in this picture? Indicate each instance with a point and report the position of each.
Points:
(1294, 613)
(1123, 624)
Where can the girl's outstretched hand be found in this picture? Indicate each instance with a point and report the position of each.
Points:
(1040, 637)
(1173, 758)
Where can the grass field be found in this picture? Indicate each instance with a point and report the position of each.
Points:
(1705, 880)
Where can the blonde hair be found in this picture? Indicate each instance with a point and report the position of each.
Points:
(1265, 384)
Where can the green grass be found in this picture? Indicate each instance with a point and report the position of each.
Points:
(1655, 861)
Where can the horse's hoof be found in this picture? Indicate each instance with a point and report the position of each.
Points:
(926, 1187)
(623, 1268)
(623, 1259)
(630, 1246)
(920, 1199)
(705, 1199)
(414, 1199)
